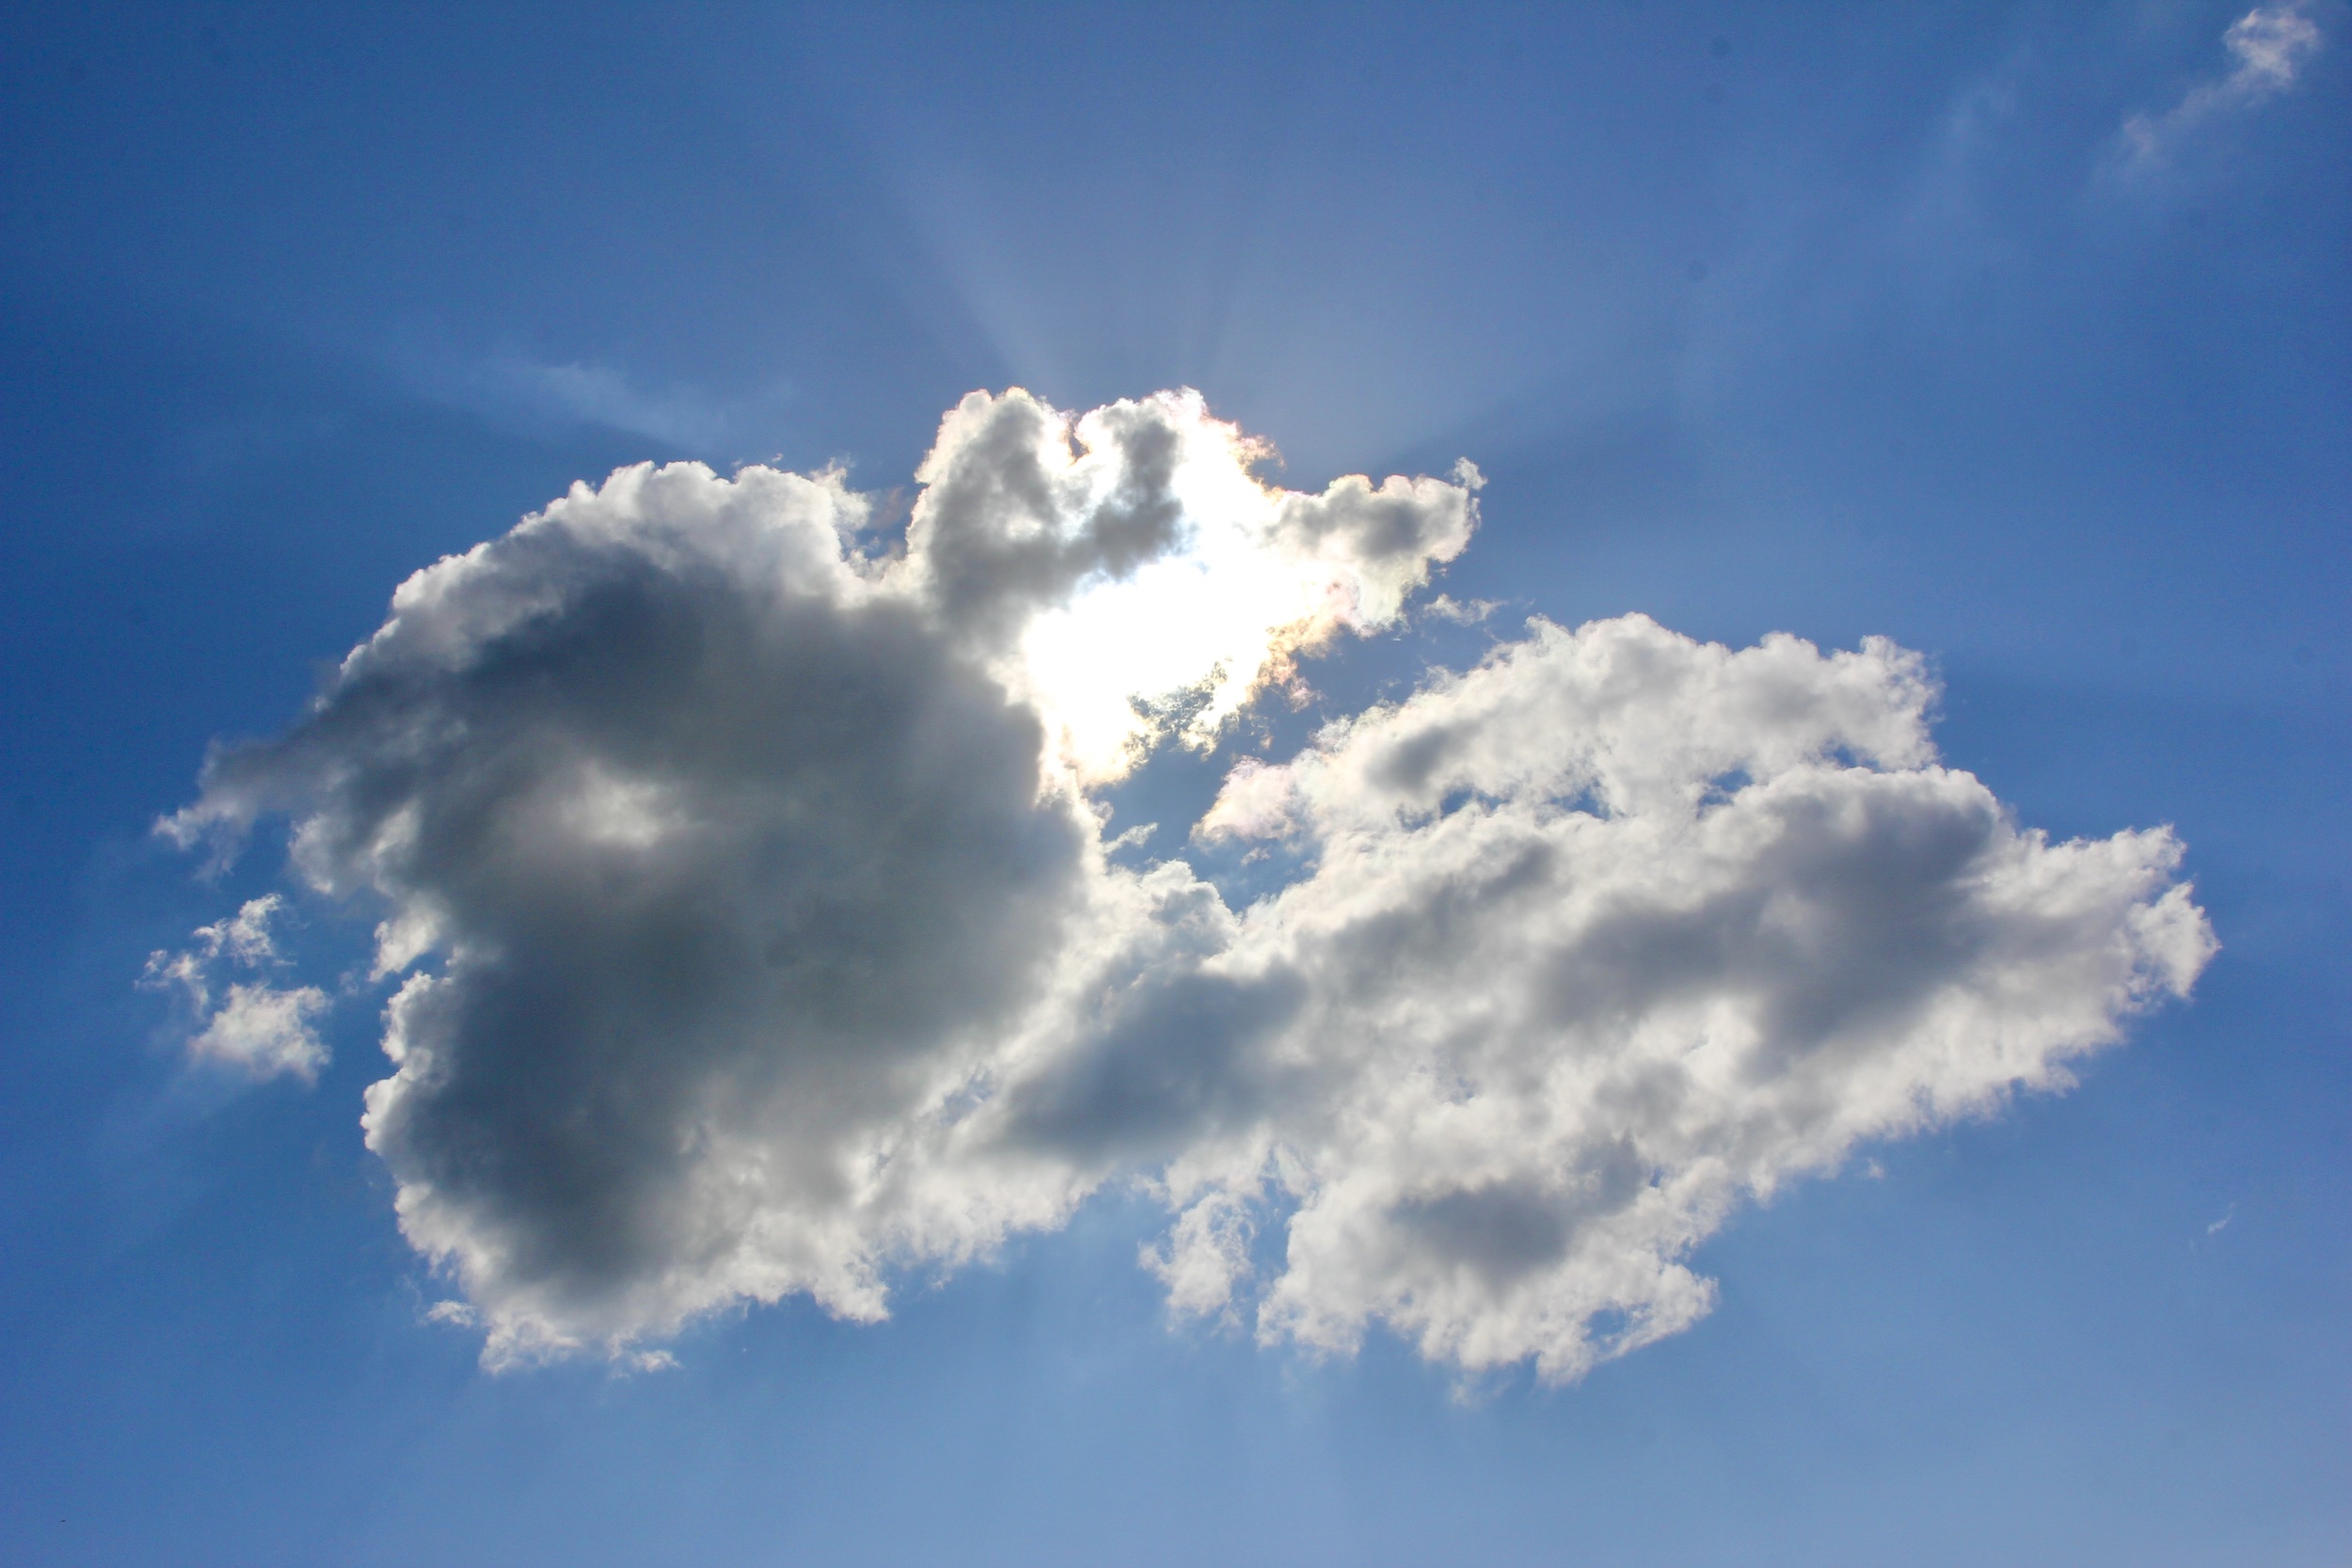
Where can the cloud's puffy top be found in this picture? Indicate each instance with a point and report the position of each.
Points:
(757, 936)
(1149, 566)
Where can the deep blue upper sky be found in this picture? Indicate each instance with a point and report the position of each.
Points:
(1834, 320)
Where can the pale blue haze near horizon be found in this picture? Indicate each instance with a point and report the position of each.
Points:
(2015, 333)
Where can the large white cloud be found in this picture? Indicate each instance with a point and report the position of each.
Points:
(1609, 934)
(756, 934)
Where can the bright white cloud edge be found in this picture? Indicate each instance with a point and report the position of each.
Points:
(759, 935)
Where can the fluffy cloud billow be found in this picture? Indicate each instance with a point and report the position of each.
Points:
(751, 930)
(256, 1028)
(1617, 931)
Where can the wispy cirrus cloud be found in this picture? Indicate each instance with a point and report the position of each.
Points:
(603, 395)
(540, 393)
(2267, 46)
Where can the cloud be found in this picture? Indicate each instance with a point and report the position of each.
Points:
(255, 1027)
(756, 933)
(600, 394)
(745, 854)
(1201, 584)
(537, 395)
(1612, 933)
(2267, 45)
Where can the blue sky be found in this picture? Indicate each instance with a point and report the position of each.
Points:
(2015, 334)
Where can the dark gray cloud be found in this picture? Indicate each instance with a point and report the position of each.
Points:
(1176, 1058)
(726, 854)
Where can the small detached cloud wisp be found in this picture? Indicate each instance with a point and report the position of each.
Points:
(757, 933)
(2267, 46)
(257, 1028)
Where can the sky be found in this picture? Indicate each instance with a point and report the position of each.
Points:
(1281, 785)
